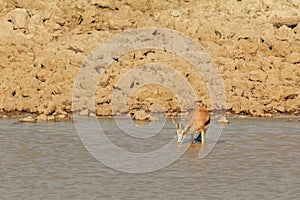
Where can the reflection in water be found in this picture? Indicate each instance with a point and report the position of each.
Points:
(254, 158)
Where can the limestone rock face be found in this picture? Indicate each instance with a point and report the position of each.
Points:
(255, 46)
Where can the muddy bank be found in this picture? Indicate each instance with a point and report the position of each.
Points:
(254, 44)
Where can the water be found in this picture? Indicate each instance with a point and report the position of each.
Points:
(253, 159)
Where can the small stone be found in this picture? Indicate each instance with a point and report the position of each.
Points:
(223, 120)
(269, 115)
(29, 119)
(141, 115)
(4, 116)
(228, 114)
(61, 116)
(49, 108)
(242, 116)
(280, 108)
(92, 115)
(176, 13)
(19, 17)
(42, 118)
(51, 118)
(170, 114)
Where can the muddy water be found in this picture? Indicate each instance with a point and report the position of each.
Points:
(254, 158)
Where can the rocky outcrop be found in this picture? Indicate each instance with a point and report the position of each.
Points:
(254, 44)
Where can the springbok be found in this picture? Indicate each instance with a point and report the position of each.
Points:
(198, 122)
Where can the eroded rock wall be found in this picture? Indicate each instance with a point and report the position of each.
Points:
(254, 44)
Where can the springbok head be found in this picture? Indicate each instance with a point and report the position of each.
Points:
(180, 131)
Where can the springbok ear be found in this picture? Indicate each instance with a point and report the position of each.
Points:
(177, 125)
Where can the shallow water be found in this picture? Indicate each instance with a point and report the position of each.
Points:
(254, 158)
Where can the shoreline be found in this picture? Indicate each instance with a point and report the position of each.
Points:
(25, 117)
(255, 50)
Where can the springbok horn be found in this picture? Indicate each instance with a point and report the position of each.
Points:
(177, 124)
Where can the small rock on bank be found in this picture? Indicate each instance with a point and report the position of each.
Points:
(143, 116)
(28, 119)
(223, 120)
(42, 118)
(3, 116)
